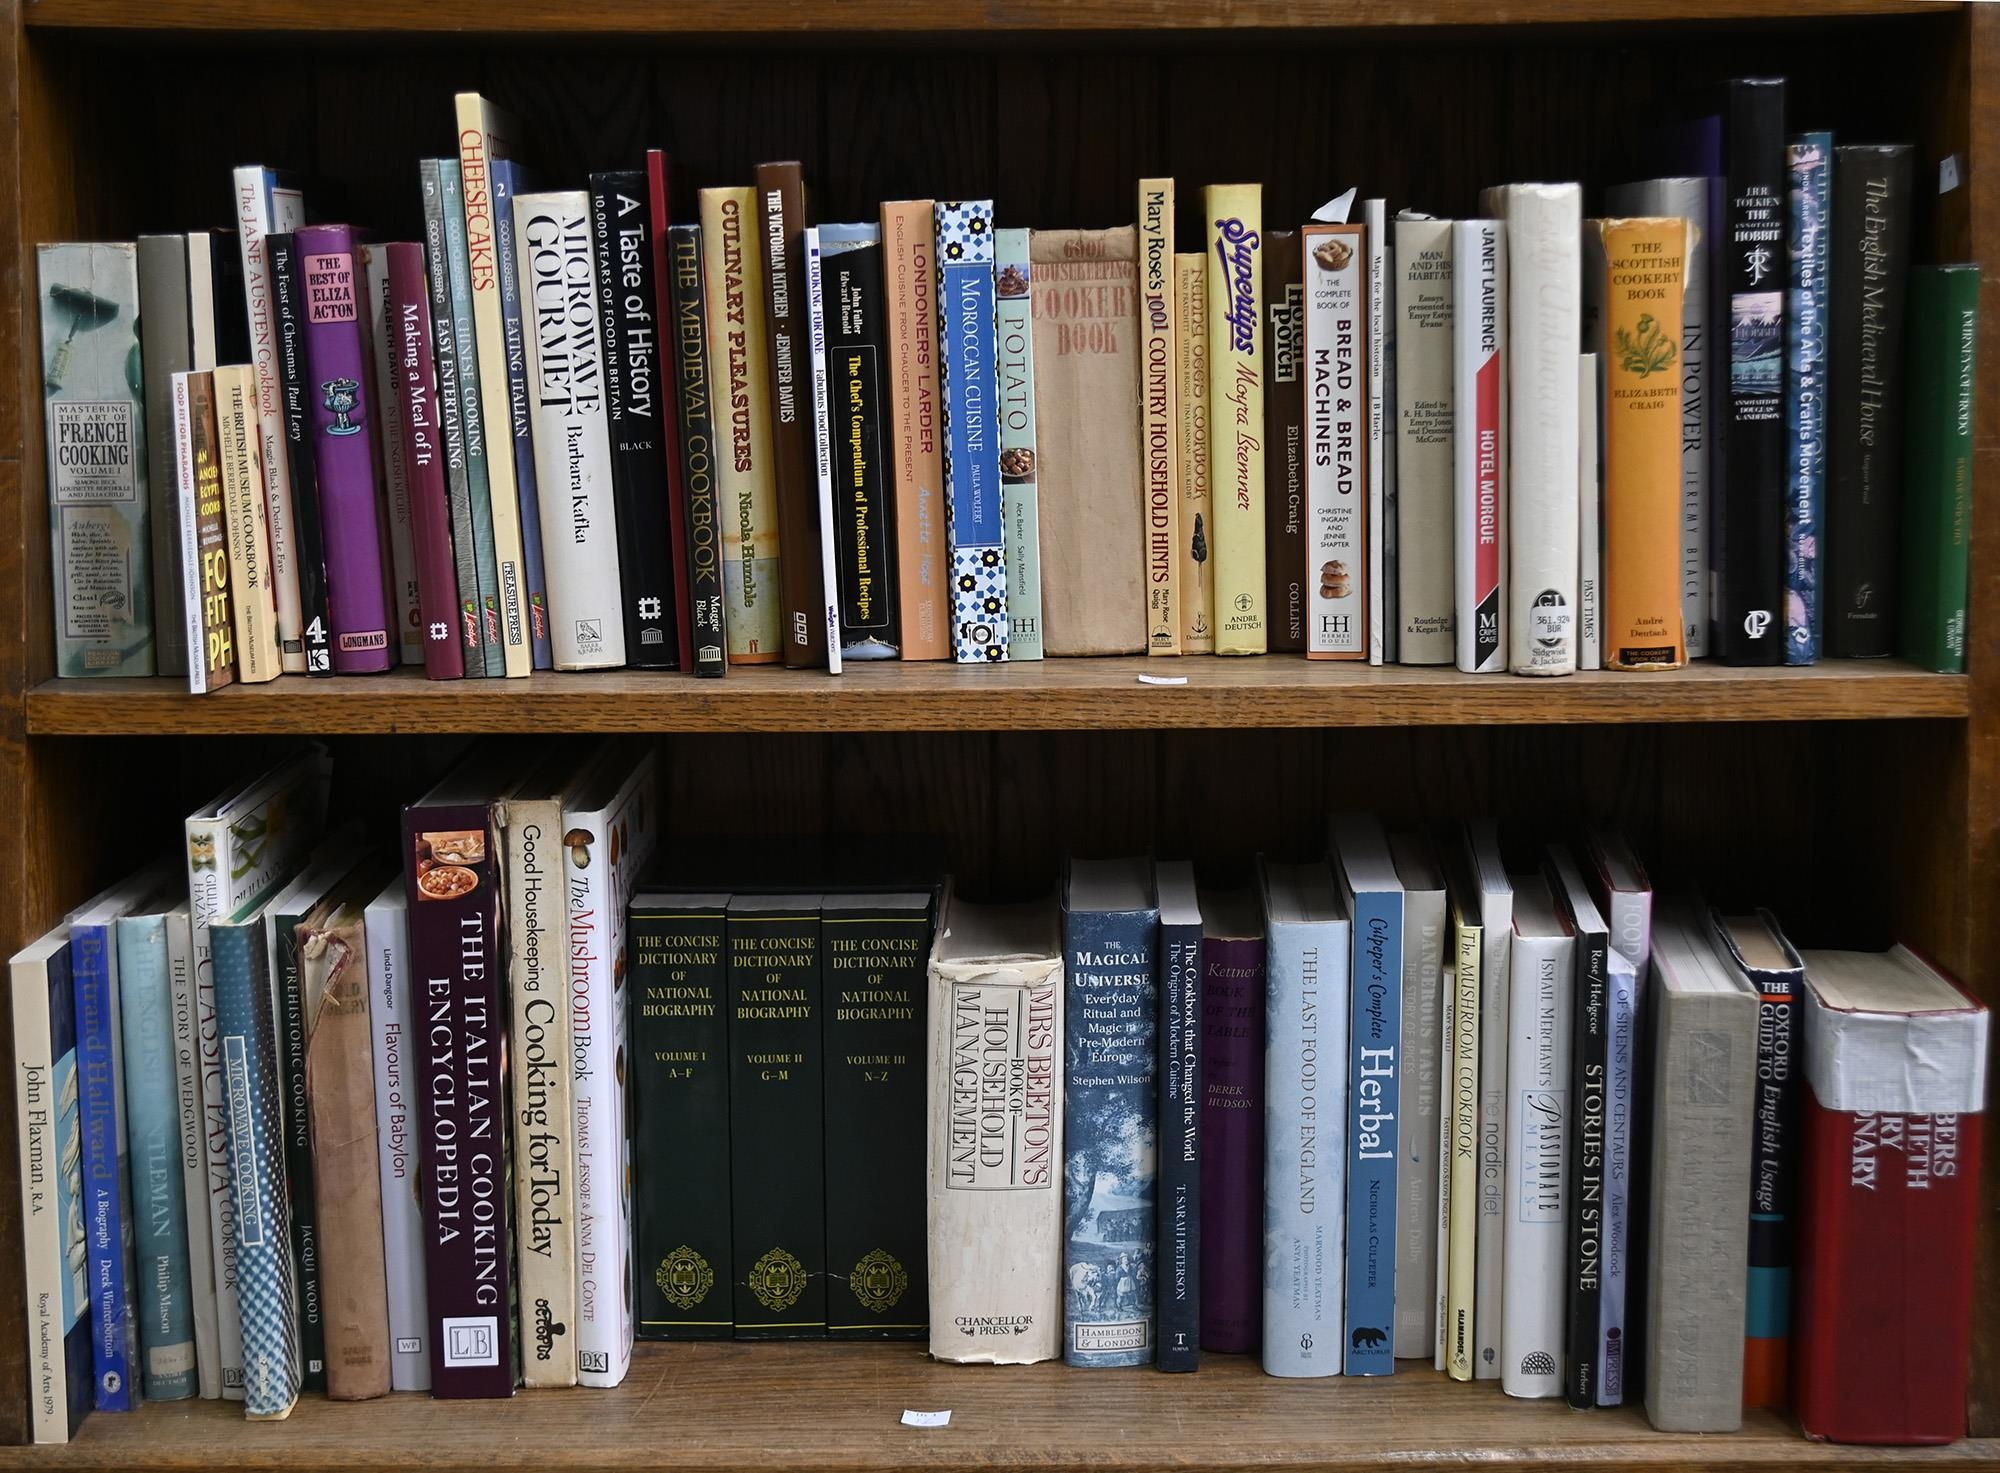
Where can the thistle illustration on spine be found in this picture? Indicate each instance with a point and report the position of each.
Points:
(1646, 350)
(341, 396)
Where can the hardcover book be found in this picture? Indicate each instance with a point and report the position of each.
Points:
(630, 333)
(1160, 413)
(580, 527)
(1589, 515)
(502, 639)
(94, 407)
(777, 1115)
(1872, 188)
(680, 1116)
(1426, 619)
(1014, 360)
(909, 267)
(1489, 882)
(1285, 539)
(1090, 474)
(217, 322)
(996, 1174)
(168, 349)
(1809, 161)
(822, 447)
(1459, 1167)
(659, 200)
(1479, 441)
(1111, 925)
(46, 1096)
(392, 1018)
(253, 603)
(1425, 1045)
(295, 412)
(452, 891)
(1749, 492)
(973, 521)
(267, 203)
(191, 1142)
(781, 234)
(405, 601)
(1236, 389)
(1381, 440)
(873, 951)
(701, 532)
(1336, 415)
(1937, 515)
(610, 826)
(481, 657)
(204, 535)
(855, 318)
(514, 324)
(1232, 1121)
(1182, 1090)
(740, 380)
(1197, 572)
(1895, 1105)
(1307, 935)
(1588, 1130)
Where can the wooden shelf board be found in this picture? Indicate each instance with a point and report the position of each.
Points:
(724, 18)
(1050, 695)
(731, 1408)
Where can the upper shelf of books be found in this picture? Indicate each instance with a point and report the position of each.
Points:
(1051, 695)
(929, 17)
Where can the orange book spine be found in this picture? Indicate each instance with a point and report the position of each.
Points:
(909, 266)
(1646, 274)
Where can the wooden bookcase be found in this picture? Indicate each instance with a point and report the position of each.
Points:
(1859, 800)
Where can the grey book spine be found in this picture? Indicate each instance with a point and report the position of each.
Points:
(1417, 1183)
(167, 348)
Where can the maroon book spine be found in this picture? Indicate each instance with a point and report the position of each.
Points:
(416, 410)
(660, 202)
(461, 1051)
(1232, 1124)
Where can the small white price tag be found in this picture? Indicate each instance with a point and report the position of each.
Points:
(1948, 174)
(926, 1419)
(1162, 679)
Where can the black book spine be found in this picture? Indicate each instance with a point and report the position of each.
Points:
(1182, 1084)
(1590, 1060)
(1749, 614)
(288, 304)
(627, 301)
(679, 947)
(232, 312)
(776, 1109)
(707, 596)
(874, 953)
(299, 1157)
(864, 541)
(1872, 188)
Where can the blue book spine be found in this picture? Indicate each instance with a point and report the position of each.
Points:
(1182, 1083)
(506, 178)
(1305, 1146)
(973, 515)
(1810, 161)
(247, 1034)
(163, 1295)
(107, 1216)
(1110, 1105)
(1375, 1031)
(1615, 1254)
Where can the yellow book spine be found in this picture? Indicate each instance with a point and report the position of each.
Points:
(1159, 391)
(747, 499)
(1197, 569)
(1646, 270)
(247, 522)
(1234, 231)
(1464, 1213)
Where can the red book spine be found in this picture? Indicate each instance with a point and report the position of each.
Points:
(416, 410)
(658, 169)
(1884, 1331)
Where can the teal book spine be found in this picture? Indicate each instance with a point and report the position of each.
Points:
(162, 1296)
(247, 1033)
(1375, 1014)
(1014, 353)
(472, 414)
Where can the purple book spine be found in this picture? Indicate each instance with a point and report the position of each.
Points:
(1232, 1123)
(455, 967)
(430, 498)
(350, 494)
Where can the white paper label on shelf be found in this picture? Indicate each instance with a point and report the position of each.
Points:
(926, 1419)
(1948, 172)
(1162, 680)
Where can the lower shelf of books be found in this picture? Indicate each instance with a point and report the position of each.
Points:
(733, 1406)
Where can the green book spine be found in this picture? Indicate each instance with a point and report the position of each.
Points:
(1937, 507)
(472, 415)
(444, 349)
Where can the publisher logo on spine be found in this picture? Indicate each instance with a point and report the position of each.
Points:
(470, 1340)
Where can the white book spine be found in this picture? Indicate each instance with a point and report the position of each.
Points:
(263, 209)
(1479, 455)
(1336, 326)
(1305, 1147)
(544, 1104)
(1536, 1229)
(572, 436)
(1440, 1306)
(1496, 954)
(211, 855)
(1421, 441)
(1544, 324)
(188, 530)
(395, 471)
(1589, 521)
(194, 1148)
(201, 300)
(41, 1100)
(392, 1016)
(822, 448)
(1375, 217)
